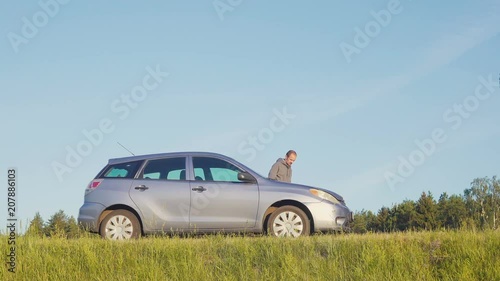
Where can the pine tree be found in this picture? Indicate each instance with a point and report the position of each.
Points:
(405, 215)
(384, 220)
(426, 210)
(57, 225)
(36, 227)
(72, 230)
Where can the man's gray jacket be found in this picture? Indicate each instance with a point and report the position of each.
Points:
(280, 171)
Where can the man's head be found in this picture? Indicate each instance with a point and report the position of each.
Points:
(291, 155)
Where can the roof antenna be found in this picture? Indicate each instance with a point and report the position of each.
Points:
(125, 148)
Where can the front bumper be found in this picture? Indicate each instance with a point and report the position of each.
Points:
(330, 217)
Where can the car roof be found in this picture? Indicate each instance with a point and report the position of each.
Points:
(165, 155)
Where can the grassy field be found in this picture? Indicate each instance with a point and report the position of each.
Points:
(399, 256)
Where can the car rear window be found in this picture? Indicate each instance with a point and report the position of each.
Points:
(122, 170)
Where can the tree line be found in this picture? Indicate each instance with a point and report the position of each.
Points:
(59, 225)
(477, 208)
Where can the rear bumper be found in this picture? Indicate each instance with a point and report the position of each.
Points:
(88, 216)
(330, 217)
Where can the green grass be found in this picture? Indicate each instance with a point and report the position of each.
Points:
(411, 256)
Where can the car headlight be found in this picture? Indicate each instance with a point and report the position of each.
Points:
(323, 195)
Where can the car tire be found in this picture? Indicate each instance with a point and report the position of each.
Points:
(288, 221)
(120, 225)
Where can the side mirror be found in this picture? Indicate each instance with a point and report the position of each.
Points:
(246, 177)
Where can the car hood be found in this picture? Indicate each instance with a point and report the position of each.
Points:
(305, 187)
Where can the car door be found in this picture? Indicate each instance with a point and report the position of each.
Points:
(162, 194)
(218, 199)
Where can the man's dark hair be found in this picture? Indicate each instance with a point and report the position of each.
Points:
(290, 152)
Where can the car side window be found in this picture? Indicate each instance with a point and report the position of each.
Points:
(213, 169)
(165, 169)
(199, 175)
(122, 170)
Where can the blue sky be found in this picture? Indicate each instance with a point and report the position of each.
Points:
(274, 72)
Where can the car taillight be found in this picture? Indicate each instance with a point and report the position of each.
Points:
(92, 185)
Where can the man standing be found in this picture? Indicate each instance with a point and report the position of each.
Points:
(282, 169)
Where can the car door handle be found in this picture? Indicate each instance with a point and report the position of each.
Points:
(199, 189)
(141, 187)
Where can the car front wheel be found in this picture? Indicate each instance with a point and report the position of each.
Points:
(289, 221)
(120, 225)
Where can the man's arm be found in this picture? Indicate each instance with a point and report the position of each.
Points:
(273, 173)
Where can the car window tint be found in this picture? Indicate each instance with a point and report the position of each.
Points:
(213, 169)
(165, 169)
(221, 174)
(199, 174)
(176, 175)
(152, 176)
(122, 170)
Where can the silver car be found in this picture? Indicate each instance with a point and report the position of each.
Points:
(203, 192)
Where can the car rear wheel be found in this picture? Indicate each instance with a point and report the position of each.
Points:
(120, 225)
(289, 221)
